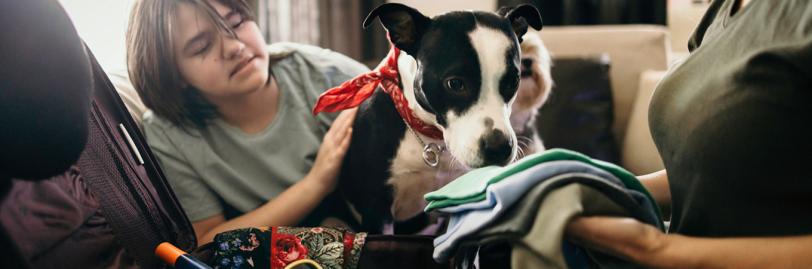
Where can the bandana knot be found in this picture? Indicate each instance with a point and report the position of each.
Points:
(353, 92)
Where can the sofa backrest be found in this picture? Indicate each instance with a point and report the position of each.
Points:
(125, 89)
(632, 49)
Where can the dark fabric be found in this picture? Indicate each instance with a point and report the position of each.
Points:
(518, 220)
(398, 251)
(587, 12)
(12, 256)
(50, 220)
(579, 112)
(109, 210)
(732, 123)
(136, 199)
(44, 90)
(43, 104)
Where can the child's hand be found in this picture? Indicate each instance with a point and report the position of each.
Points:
(333, 148)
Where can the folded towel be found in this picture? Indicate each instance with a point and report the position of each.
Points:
(471, 186)
(505, 193)
(534, 227)
(478, 201)
(511, 190)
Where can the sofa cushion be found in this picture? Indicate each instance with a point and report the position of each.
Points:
(633, 49)
(579, 112)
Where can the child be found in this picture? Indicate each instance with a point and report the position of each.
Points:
(230, 118)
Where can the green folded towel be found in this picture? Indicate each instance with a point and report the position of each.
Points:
(470, 187)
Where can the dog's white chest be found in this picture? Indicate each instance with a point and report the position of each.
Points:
(411, 177)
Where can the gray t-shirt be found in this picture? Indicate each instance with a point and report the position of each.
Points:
(732, 123)
(222, 164)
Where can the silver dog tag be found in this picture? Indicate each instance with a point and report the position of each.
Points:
(431, 154)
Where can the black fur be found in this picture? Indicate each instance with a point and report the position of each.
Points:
(444, 52)
(448, 55)
(377, 132)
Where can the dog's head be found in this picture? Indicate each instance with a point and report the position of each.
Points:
(467, 74)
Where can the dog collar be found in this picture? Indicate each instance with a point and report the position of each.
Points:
(353, 92)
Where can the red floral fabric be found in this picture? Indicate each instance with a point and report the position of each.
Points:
(278, 247)
(286, 248)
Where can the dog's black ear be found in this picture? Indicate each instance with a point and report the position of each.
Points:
(521, 17)
(405, 25)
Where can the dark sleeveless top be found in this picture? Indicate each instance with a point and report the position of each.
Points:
(733, 123)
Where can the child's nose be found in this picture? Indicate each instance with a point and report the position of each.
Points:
(233, 48)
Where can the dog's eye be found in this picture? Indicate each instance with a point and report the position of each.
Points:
(454, 84)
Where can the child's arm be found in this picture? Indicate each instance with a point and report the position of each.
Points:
(292, 205)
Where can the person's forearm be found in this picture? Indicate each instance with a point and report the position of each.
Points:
(290, 207)
(657, 184)
(766, 252)
(646, 245)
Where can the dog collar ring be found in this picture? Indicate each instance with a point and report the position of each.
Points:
(431, 151)
(431, 154)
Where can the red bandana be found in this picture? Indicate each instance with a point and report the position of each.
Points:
(353, 92)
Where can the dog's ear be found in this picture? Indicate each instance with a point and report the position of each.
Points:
(405, 25)
(521, 17)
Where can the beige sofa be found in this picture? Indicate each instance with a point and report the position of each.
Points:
(639, 55)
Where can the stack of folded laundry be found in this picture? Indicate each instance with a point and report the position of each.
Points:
(525, 207)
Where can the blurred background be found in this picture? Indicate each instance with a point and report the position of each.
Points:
(608, 57)
(336, 24)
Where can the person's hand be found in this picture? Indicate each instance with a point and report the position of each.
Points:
(331, 153)
(622, 237)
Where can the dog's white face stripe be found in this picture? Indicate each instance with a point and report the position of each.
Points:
(407, 67)
(465, 130)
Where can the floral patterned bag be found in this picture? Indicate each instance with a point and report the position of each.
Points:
(281, 247)
(317, 248)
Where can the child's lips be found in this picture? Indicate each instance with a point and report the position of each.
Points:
(242, 65)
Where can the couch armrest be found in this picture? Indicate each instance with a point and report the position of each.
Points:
(638, 152)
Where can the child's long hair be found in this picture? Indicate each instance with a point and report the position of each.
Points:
(151, 59)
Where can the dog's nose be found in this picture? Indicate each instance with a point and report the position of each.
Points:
(496, 148)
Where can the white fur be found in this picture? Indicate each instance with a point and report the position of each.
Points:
(468, 128)
(407, 67)
(410, 177)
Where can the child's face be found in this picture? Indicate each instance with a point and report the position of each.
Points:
(219, 66)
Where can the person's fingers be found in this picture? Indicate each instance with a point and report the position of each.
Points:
(342, 117)
(349, 116)
(339, 123)
(346, 118)
(345, 142)
(341, 146)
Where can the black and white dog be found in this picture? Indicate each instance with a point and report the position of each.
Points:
(459, 73)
